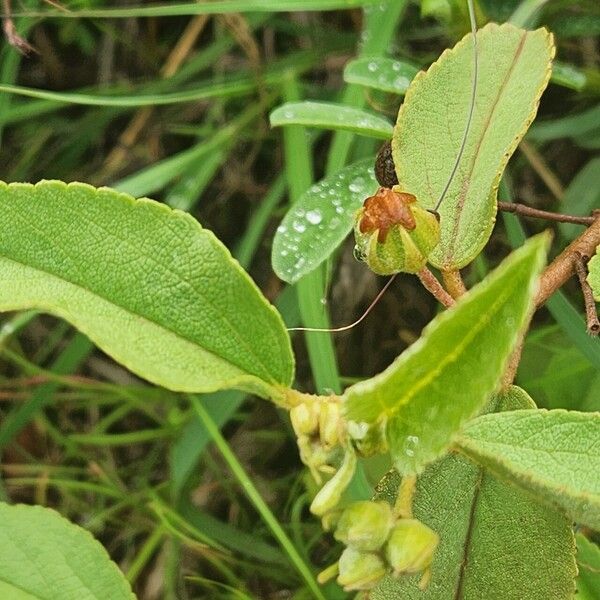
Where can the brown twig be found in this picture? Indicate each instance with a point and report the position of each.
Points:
(12, 37)
(454, 283)
(527, 211)
(593, 325)
(563, 266)
(431, 284)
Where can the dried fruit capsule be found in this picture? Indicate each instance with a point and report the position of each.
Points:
(385, 171)
(394, 234)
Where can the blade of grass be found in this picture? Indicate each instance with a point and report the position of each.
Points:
(256, 499)
(202, 8)
(310, 288)
(69, 359)
(378, 32)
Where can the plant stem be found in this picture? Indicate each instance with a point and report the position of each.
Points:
(563, 266)
(593, 325)
(527, 211)
(406, 493)
(256, 499)
(431, 284)
(454, 283)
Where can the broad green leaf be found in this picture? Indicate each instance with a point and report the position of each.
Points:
(594, 274)
(380, 73)
(588, 561)
(496, 542)
(552, 454)
(320, 220)
(423, 398)
(514, 68)
(328, 115)
(45, 557)
(147, 284)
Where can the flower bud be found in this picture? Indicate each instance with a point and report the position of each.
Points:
(360, 570)
(365, 525)
(330, 494)
(411, 546)
(394, 234)
(305, 418)
(329, 423)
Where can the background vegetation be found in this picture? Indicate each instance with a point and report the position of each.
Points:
(176, 108)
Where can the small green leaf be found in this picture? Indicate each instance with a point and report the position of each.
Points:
(327, 115)
(593, 277)
(425, 396)
(552, 454)
(43, 556)
(147, 284)
(588, 560)
(514, 68)
(379, 73)
(320, 220)
(496, 542)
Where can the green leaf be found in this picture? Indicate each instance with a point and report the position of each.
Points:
(593, 277)
(380, 73)
(588, 561)
(514, 68)
(43, 556)
(495, 540)
(423, 398)
(147, 284)
(328, 115)
(552, 454)
(320, 220)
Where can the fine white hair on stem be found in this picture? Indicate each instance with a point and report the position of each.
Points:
(471, 106)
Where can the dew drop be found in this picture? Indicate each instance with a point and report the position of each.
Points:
(299, 226)
(357, 185)
(372, 66)
(314, 217)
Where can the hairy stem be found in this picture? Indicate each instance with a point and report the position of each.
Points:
(431, 284)
(563, 266)
(454, 283)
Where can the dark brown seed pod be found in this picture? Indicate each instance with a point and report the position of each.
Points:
(385, 172)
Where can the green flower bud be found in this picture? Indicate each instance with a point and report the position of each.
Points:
(329, 423)
(411, 546)
(394, 234)
(330, 494)
(360, 570)
(305, 418)
(365, 525)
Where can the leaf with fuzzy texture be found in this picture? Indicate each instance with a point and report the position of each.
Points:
(425, 396)
(594, 274)
(554, 455)
(44, 556)
(514, 69)
(147, 284)
(496, 542)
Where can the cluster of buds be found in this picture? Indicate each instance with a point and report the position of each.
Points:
(380, 542)
(393, 233)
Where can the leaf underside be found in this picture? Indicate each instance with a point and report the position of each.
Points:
(514, 69)
(147, 284)
(42, 556)
(424, 397)
(496, 541)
